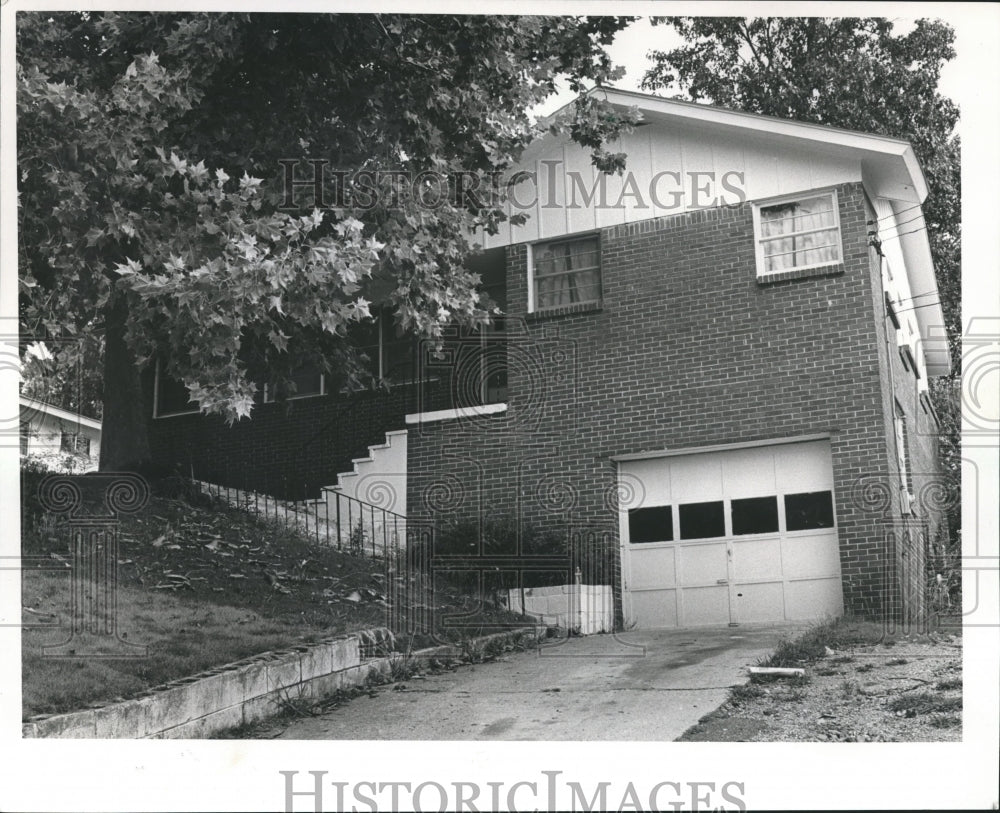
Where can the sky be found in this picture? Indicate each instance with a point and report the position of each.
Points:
(632, 46)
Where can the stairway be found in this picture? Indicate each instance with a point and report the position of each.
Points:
(380, 478)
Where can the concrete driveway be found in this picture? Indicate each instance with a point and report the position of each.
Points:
(632, 686)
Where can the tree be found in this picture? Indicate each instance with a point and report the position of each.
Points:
(154, 208)
(857, 74)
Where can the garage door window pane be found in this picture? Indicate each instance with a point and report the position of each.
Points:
(803, 512)
(702, 520)
(757, 515)
(651, 524)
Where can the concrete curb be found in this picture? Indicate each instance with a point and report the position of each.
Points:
(242, 692)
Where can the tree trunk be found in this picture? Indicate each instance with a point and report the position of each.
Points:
(124, 436)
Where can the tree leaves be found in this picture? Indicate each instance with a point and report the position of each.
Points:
(133, 127)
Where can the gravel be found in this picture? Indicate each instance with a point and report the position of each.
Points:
(906, 689)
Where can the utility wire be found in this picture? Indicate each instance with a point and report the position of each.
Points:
(912, 231)
(897, 214)
(911, 220)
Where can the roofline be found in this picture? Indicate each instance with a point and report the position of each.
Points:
(767, 125)
(58, 412)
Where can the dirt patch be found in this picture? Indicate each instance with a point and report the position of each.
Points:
(880, 688)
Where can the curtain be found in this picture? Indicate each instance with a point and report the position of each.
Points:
(812, 234)
(566, 273)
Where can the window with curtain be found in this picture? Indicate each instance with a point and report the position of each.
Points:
(801, 233)
(567, 273)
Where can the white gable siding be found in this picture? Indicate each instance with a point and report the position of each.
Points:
(764, 169)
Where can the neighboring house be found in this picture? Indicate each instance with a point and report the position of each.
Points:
(61, 439)
(719, 365)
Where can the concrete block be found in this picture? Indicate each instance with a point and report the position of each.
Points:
(344, 653)
(283, 673)
(173, 706)
(254, 680)
(127, 720)
(316, 661)
(259, 708)
(77, 725)
(322, 686)
(203, 727)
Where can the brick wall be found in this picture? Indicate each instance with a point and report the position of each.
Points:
(686, 349)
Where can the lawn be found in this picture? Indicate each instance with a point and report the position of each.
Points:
(201, 585)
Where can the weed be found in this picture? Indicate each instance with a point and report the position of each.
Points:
(297, 706)
(848, 689)
(402, 666)
(743, 694)
(828, 672)
(950, 683)
(812, 645)
(897, 662)
(945, 721)
(925, 703)
(867, 667)
(843, 659)
(473, 651)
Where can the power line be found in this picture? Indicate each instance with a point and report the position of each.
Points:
(912, 231)
(897, 214)
(918, 307)
(911, 220)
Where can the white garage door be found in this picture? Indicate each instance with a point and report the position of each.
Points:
(731, 537)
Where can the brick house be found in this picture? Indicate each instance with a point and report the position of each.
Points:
(716, 363)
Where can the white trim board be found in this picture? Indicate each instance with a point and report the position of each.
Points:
(717, 447)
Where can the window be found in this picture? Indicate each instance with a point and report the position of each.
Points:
(756, 515)
(25, 430)
(307, 381)
(171, 396)
(651, 524)
(808, 511)
(566, 273)
(797, 234)
(702, 520)
(74, 443)
(390, 352)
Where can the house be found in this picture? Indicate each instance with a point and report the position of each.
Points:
(62, 440)
(716, 363)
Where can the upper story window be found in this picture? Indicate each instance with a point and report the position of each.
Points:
(566, 272)
(797, 233)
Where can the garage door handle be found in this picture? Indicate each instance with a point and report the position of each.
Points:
(722, 581)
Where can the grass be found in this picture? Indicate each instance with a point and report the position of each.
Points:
(203, 585)
(925, 703)
(812, 645)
